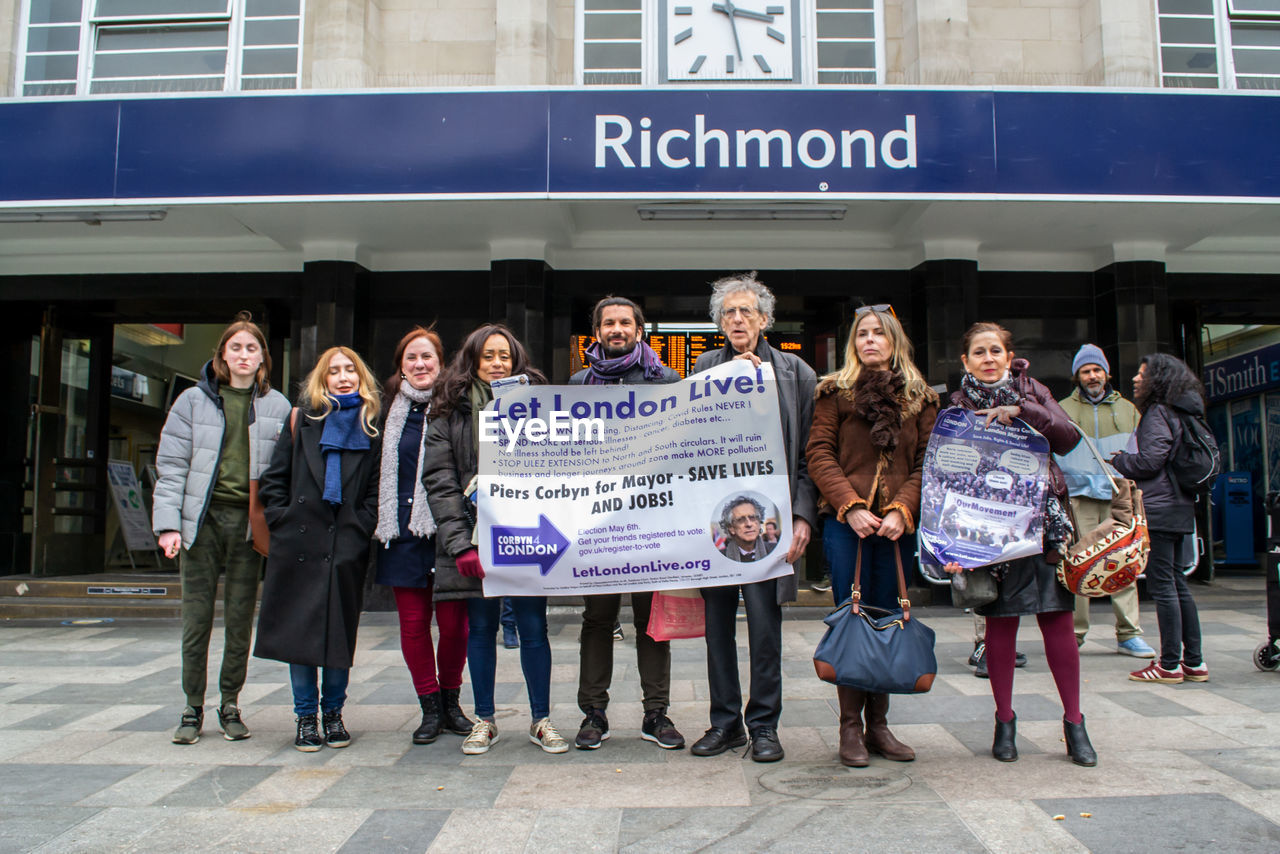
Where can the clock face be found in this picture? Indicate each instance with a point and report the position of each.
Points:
(721, 40)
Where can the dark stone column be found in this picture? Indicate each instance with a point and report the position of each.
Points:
(944, 303)
(1131, 305)
(519, 295)
(328, 312)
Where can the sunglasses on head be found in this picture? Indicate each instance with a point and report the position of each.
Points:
(882, 307)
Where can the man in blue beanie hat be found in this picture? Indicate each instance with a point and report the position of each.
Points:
(1109, 420)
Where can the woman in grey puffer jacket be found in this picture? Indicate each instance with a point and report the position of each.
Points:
(1165, 391)
(215, 444)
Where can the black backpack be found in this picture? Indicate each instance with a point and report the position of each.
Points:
(1196, 460)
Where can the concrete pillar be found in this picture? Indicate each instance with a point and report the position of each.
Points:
(935, 41)
(944, 303)
(1120, 42)
(330, 311)
(341, 46)
(518, 296)
(525, 43)
(1131, 303)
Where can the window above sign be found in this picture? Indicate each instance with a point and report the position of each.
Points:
(1219, 44)
(682, 42)
(108, 47)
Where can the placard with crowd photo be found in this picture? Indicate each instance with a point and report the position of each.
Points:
(983, 492)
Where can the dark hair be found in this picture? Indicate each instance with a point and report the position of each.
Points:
(597, 313)
(392, 386)
(1167, 379)
(243, 323)
(457, 378)
(1006, 337)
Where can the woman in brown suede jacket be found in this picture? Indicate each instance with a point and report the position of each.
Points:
(871, 424)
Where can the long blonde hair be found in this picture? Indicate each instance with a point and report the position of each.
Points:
(316, 396)
(901, 360)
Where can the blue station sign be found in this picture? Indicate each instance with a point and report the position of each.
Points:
(643, 143)
(1243, 375)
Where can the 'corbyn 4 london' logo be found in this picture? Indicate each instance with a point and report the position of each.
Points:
(543, 545)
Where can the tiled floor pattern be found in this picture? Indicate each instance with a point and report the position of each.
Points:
(86, 713)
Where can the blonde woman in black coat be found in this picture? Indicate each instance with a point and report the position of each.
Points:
(320, 497)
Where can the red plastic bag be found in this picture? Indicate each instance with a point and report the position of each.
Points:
(677, 614)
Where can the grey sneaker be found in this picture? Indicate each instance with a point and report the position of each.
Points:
(233, 729)
(188, 731)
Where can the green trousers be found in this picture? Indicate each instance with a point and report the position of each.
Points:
(219, 547)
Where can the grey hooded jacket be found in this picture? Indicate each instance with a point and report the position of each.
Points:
(191, 447)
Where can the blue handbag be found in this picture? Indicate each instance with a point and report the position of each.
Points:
(875, 650)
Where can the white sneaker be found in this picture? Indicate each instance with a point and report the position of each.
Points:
(543, 733)
(483, 735)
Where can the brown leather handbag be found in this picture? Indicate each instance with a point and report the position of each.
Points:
(257, 518)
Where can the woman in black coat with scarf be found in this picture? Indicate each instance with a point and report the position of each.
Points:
(998, 386)
(320, 499)
(1165, 390)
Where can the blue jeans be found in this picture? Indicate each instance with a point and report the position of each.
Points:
(307, 695)
(535, 652)
(879, 570)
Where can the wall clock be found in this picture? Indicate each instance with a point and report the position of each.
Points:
(722, 40)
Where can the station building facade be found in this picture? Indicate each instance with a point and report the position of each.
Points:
(1079, 170)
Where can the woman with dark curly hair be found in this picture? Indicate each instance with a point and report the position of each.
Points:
(450, 465)
(871, 424)
(1165, 390)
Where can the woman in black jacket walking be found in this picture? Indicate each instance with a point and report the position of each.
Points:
(1164, 390)
(320, 498)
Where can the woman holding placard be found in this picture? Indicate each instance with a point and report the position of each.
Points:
(997, 386)
(450, 465)
(871, 425)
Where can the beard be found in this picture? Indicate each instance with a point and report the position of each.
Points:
(613, 351)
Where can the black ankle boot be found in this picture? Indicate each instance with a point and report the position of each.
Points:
(429, 730)
(1078, 746)
(1003, 746)
(455, 721)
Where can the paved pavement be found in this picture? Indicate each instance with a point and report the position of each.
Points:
(86, 713)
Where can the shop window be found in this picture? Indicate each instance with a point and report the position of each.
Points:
(1210, 44)
(633, 42)
(106, 47)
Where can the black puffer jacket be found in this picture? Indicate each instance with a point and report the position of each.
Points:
(449, 463)
(1158, 436)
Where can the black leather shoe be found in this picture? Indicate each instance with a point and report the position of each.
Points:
(1002, 746)
(716, 741)
(765, 746)
(1078, 746)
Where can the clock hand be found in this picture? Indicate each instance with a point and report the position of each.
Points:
(745, 13)
(728, 9)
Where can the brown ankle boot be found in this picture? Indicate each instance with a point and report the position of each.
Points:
(853, 747)
(879, 739)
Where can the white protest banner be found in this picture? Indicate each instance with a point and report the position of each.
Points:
(611, 489)
(983, 491)
(135, 522)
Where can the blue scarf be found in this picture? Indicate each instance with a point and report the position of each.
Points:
(604, 371)
(342, 432)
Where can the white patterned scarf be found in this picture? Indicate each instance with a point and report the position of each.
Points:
(421, 523)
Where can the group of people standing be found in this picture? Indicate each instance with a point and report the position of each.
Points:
(359, 465)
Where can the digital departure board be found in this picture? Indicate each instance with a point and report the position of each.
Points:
(679, 350)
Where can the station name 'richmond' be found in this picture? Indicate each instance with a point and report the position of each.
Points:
(816, 148)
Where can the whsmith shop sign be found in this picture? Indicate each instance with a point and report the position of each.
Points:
(1240, 376)
(632, 143)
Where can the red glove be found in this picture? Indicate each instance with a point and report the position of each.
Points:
(469, 564)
